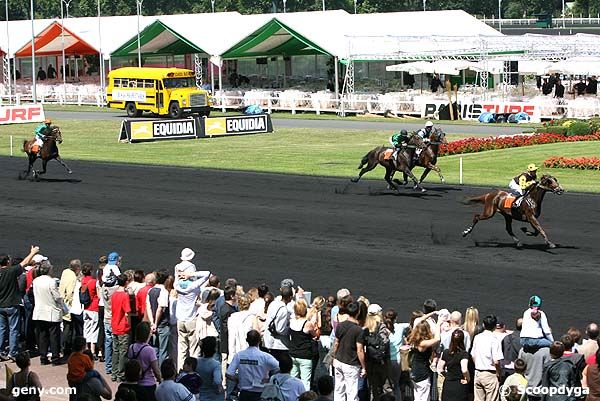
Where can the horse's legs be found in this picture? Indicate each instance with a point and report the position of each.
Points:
(31, 161)
(434, 168)
(537, 227)
(406, 171)
(44, 163)
(370, 166)
(388, 175)
(508, 220)
(489, 210)
(58, 159)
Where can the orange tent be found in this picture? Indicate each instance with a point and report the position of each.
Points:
(49, 43)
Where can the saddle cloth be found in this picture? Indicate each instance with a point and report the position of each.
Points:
(508, 201)
(35, 148)
(387, 155)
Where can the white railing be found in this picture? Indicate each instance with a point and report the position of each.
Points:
(556, 22)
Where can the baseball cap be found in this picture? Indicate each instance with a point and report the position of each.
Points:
(535, 301)
(39, 258)
(374, 309)
(113, 257)
(287, 282)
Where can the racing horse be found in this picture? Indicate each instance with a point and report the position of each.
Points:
(49, 152)
(528, 211)
(428, 156)
(378, 156)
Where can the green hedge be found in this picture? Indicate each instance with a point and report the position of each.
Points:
(579, 128)
(552, 129)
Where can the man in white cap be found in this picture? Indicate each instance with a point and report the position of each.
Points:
(186, 267)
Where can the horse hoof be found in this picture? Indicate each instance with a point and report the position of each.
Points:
(443, 181)
(466, 232)
(70, 171)
(519, 245)
(551, 245)
(353, 179)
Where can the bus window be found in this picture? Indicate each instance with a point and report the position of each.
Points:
(172, 83)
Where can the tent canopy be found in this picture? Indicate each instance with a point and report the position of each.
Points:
(576, 66)
(49, 42)
(157, 38)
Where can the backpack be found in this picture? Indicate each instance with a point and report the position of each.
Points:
(272, 327)
(136, 355)
(273, 391)
(378, 345)
(84, 296)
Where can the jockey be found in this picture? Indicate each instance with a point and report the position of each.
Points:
(521, 183)
(426, 132)
(40, 133)
(399, 140)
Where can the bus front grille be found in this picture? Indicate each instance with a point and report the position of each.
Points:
(198, 99)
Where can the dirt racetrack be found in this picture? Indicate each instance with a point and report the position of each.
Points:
(325, 233)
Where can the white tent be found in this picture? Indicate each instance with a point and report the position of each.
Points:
(576, 66)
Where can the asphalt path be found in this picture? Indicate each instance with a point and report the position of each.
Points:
(325, 233)
(476, 129)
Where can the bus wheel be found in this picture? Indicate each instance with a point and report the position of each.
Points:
(132, 110)
(174, 110)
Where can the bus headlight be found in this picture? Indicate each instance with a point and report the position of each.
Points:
(184, 102)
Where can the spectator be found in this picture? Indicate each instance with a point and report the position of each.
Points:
(455, 324)
(23, 380)
(188, 376)
(308, 396)
(559, 90)
(112, 269)
(133, 373)
(558, 372)
(230, 282)
(592, 86)
(146, 356)
(580, 87)
(302, 332)
(125, 394)
(472, 325)
(25, 282)
(121, 326)
(102, 260)
(106, 293)
(513, 383)
(251, 367)
(325, 387)
(90, 313)
(227, 309)
(72, 321)
(209, 370)
(398, 332)
(590, 346)
(205, 326)
(261, 319)
(10, 301)
(577, 359)
(187, 312)
(511, 345)
(142, 295)
(487, 354)
(258, 305)
(41, 74)
(79, 365)
(536, 332)
(435, 83)
(168, 390)
(277, 332)
(213, 284)
(95, 388)
(238, 326)
(47, 313)
(591, 380)
(51, 72)
(575, 334)
(138, 281)
(157, 313)
(535, 366)
(423, 341)
(349, 356)
(377, 344)
(290, 386)
(185, 266)
(454, 364)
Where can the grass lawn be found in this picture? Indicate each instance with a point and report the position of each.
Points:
(302, 151)
(299, 115)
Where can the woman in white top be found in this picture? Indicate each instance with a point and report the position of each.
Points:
(204, 323)
(536, 332)
(239, 324)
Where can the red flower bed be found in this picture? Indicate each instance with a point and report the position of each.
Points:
(579, 163)
(472, 145)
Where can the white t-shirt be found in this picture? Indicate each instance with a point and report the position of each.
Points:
(171, 391)
(110, 268)
(533, 328)
(486, 350)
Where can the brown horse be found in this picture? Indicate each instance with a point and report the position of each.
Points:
(49, 152)
(428, 156)
(377, 156)
(528, 211)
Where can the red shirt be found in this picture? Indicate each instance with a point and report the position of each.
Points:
(29, 279)
(91, 285)
(140, 300)
(591, 360)
(120, 307)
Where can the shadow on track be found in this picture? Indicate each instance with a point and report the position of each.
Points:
(535, 247)
(69, 180)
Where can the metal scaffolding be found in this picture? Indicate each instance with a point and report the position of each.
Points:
(6, 76)
(198, 70)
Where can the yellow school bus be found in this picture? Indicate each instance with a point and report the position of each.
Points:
(161, 91)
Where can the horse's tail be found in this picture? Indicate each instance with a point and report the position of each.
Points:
(24, 148)
(476, 199)
(366, 157)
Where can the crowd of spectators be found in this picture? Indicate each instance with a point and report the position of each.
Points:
(179, 335)
(554, 84)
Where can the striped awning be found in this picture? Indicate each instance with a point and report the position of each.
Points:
(50, 42)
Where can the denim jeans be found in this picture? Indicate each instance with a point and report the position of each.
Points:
(303, 369)
(9, 325)
(160, 342)
(108, 348)
(535, 342)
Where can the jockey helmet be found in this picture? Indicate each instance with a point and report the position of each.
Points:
(403, 132)
(532, 167)
(47, 121)
(535, 301)
(428, 124)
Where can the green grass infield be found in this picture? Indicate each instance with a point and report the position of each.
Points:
(317, 152)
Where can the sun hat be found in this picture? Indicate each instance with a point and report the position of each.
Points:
(39, 258)
(287, 282)
(535, 301)
(374, 309)
(113, 257)
(187, 254)
(532, 167)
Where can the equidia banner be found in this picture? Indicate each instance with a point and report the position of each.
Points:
(153, 130)
(21, 114)
(472, 111)
(236, 125)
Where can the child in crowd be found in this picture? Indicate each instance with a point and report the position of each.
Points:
(188, 376)
(511, 385)
(80, 364)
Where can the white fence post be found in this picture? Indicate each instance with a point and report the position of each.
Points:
(11, 145)
(460, 171)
